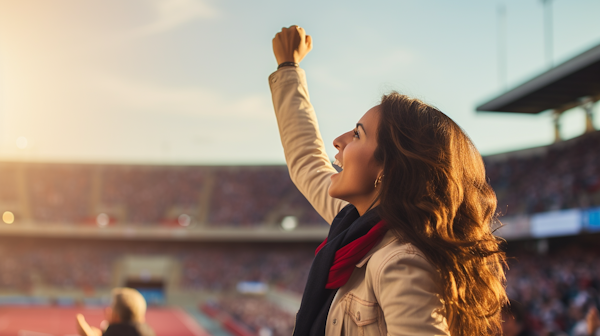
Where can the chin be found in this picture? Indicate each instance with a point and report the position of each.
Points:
(332, 192)
(336, 194)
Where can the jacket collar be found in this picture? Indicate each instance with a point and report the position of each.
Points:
(388, 238)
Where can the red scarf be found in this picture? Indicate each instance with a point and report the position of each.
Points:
(348, 256)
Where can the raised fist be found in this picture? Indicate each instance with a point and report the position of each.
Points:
(291, 44)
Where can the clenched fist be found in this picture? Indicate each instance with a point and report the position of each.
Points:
(291, 44)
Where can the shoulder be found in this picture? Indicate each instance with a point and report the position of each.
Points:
(398, 252)
(145, 330)
(407, 288)
(399, 261)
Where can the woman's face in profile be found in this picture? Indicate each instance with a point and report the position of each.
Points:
(356, 148)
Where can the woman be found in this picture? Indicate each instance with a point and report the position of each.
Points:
(410, 250)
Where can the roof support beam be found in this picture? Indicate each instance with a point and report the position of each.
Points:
(588, 107)
(556, 121)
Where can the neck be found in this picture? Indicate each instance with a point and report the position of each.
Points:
(363, 207)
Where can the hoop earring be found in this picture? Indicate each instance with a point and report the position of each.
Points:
(378, 180)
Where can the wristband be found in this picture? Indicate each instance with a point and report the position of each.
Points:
(284, 64)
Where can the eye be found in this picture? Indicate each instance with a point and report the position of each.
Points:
(356, 135)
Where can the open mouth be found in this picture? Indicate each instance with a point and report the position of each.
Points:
(338, 163)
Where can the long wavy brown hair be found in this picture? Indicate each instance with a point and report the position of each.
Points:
(434, 194)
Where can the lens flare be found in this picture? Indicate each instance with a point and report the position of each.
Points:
(102, 220)
(184, 220)
(22, 142)
(289, 223)
(8, 217)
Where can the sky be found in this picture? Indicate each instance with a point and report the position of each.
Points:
(185, 81)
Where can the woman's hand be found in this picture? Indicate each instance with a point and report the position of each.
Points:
(291, 44)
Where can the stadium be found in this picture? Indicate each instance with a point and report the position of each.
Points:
(225, 250)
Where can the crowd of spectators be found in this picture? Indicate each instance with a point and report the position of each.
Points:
(247, 196)
(25, 263)
(557, 290)
(259, 315)
(283, 268)
(59, 193)
(148, 192)
(561, 176)
(91, 264)
(8, 181)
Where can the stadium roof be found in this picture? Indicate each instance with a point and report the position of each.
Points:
(560, 88)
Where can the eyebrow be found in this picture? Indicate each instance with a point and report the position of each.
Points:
(362, 126)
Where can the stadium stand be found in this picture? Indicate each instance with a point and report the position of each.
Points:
(564, 175)
(559, 176)
(140, 195)
(56, 192)
(246, 196)
(556, 288)
(27, 263)
(285, 270)
(258, 315)
(146, 194)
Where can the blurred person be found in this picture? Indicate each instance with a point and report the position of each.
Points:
(124, 317)
(410, 249)
(513, 320)
(592, 320)
(590, 325)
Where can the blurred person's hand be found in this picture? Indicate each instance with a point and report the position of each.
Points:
(593, 321)
(84, 329)
(291, 44)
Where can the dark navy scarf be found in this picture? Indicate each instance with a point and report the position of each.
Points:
(347, 226)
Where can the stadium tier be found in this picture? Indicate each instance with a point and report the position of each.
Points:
(54, 199)
(565, 175)
(556, 288)
(548, 191)
(195, 202)
(89, 265)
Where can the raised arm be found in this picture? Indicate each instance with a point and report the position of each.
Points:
(308, 164)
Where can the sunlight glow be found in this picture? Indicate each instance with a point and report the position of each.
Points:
(289, 223)
(8, 217)
(102, 220)
(184, 220)
(22, 142)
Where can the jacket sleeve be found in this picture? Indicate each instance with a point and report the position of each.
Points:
(308, 164)
(408, 295)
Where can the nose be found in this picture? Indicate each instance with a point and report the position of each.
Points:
(340, 142)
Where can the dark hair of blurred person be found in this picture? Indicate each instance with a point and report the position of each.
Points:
(125, 316)
(513, 320)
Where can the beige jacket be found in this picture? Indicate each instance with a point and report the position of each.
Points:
(393, 289)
